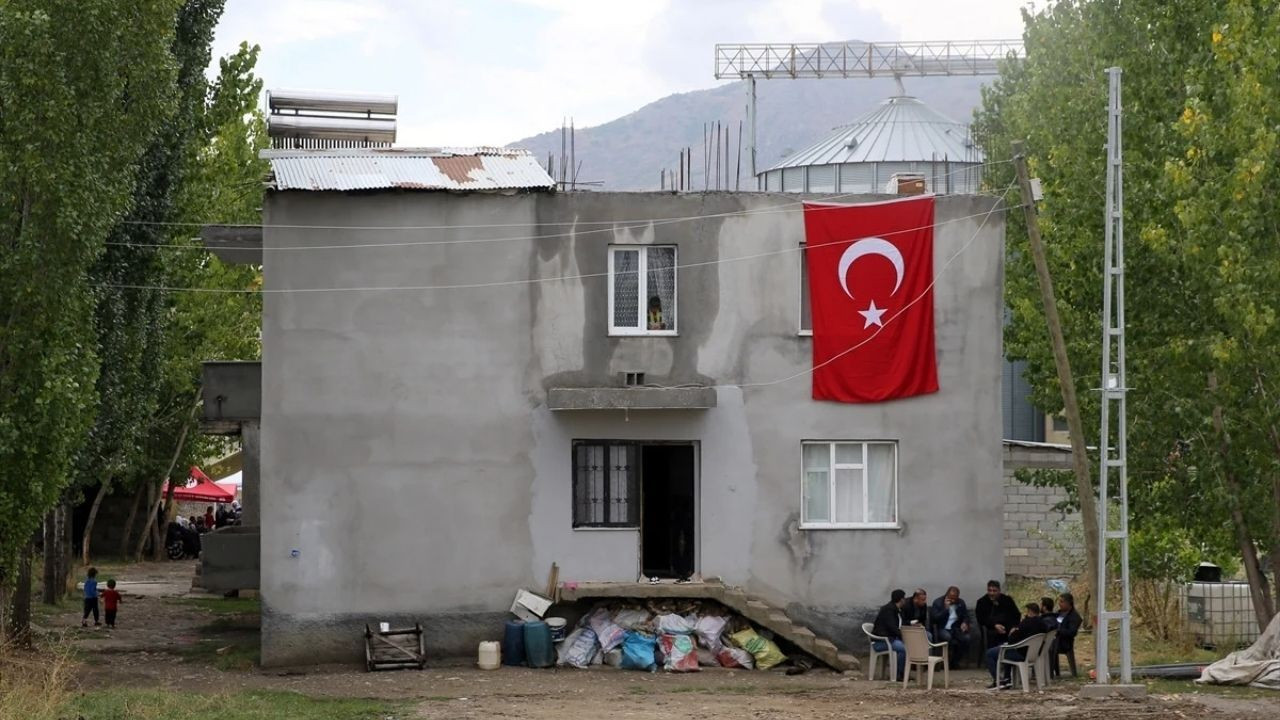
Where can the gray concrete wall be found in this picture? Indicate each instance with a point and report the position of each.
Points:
(1039, 542)
(411, 469)
(229, 559)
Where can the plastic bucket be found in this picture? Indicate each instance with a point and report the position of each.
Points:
(489, 655)
(557, 626)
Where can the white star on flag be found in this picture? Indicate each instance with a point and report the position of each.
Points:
(872, 315)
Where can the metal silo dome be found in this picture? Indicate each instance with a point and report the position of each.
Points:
(900, 136)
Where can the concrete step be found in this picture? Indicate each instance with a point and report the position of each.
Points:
(804, 638)
(849, 662)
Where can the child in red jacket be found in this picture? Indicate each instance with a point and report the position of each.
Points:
(111, 602)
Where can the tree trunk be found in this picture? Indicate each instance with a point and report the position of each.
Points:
(1259, 589)
(65, 549)
(150, 523)
(49, 594)
(1275, 517)
(157, 549)
(19, 626)
(133, 515)
(103, 489)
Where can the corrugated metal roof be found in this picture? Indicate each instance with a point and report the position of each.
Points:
(901, 129)
(465, 169)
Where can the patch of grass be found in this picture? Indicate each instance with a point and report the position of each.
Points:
(224, 654)
(638, 690)
(247, 705)
(222, 606)
(230, 624)
(40, 613)
(33, 684)
(439, 698)
(1187, 687)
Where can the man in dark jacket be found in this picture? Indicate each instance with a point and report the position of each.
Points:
(916, 612)
(950, 619)
(889, 625)
(1068, 626)
(997, 613)
(1031, 624)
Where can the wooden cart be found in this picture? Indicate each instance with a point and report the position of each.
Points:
(394, 649)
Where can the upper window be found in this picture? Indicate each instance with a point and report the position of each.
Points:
(849, 484)
(642, 290)
(606, 484)
(806, 319)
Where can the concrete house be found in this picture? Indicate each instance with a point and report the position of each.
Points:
(464, 380)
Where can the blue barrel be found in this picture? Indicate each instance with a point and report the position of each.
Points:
(513, 643)
(539, 652)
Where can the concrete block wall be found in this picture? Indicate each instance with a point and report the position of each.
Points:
(1039, 542)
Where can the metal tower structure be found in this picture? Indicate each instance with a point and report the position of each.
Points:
(856, 60)
(1113, 459)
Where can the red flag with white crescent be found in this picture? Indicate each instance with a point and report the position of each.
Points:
(871, 298)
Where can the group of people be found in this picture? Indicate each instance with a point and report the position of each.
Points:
(996, 616)
(211, 520)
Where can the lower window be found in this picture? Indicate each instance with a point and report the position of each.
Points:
(606, 484)
(849, 484)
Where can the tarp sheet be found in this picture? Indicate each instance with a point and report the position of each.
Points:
(1257, 666)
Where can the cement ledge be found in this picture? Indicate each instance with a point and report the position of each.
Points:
(631, 398)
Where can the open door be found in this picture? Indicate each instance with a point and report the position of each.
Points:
(668, 521)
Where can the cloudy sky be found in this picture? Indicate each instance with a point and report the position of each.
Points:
(471, 72)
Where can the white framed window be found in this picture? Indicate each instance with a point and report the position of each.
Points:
(806, 317)
(642, 289)
(849, 484)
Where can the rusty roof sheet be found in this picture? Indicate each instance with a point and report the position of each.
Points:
(458, 169)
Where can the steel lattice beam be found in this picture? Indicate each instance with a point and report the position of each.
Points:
(863, 60)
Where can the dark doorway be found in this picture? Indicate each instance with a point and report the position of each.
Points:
(667, 524)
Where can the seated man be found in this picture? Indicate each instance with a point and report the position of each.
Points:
(950, 618)
(917, 612)
(1031, 624)
(996, 613)
(1068, 625)
(889, 625)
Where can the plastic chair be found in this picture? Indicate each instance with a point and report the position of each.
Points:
(1032, 646)
(1047, 649)
(887, 654)
(918, 647)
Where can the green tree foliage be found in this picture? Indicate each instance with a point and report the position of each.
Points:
(83, 87)
(1201, 113)
(223, 183)
(130, 316)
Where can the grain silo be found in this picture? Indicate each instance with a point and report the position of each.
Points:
(900, 138)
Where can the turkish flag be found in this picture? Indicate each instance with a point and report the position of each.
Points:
(871, 297)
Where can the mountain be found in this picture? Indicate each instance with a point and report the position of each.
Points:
(630, 152)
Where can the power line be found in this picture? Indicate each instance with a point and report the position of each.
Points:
(507, 283)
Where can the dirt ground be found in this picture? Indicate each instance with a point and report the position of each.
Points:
(168, 638)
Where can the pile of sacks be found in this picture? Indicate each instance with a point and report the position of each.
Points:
(639, 638)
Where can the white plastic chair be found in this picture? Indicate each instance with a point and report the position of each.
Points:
(1046, 654)
(1032, 645)
(918, 647)
(890, 660)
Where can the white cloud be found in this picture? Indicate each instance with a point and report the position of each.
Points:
(492, 71)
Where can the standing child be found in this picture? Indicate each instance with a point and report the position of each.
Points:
(90, 597)
(111, 602)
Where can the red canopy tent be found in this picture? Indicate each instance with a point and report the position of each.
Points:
(199, 489)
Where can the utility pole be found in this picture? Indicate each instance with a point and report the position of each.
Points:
(1079, 453)
(1112, 461)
